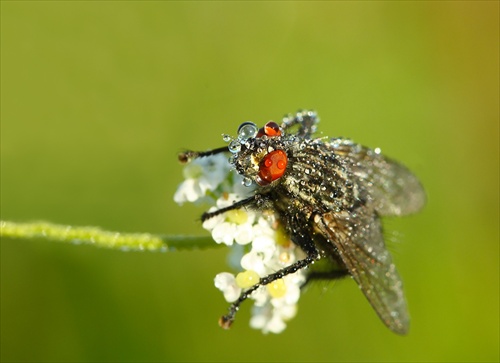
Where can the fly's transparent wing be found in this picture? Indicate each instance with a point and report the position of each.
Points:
(358, 240)
(392, 189)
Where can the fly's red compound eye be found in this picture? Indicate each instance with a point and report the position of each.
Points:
(272, 167)
(270, 129)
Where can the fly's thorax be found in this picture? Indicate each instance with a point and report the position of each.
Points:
(320, 179)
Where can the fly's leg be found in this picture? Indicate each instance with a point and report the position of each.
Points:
(226, 320)
(187, 156)
(236, 205)
(313, 254)
(306, 120)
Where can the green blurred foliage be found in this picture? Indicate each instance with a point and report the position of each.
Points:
(98, 97)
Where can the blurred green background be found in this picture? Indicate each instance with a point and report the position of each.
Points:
(98, 97)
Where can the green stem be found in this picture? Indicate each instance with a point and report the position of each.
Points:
(107, 239)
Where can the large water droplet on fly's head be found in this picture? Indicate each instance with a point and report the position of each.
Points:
(247, 130)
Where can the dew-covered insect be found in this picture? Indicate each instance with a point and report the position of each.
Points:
(328, 195)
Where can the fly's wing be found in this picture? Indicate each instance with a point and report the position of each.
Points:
(392, 189)
(357, 238)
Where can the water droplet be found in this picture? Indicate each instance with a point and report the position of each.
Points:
(357, 148)
(247, 181)
(247, 130)
(226, 137)
(234, 146)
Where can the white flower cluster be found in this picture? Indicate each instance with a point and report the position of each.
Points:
(266, 249)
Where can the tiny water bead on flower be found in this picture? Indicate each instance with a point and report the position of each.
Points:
(283, 200)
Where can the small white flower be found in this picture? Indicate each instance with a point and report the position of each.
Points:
(224, 233)
(287, 312)
(189, 190)
(233, 226)
(226, 282)
(266, 246)
(292, 289)
(272, 316)
(260, 296)
(202, 175)
(254, 260)
(244, 234)
(269, 320)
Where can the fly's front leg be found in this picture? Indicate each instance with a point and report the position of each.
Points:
(306, 121)
(189, 155)
(226, 320)
(236, 205)
(313, 254)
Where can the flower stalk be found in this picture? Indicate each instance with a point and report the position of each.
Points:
(100, 238)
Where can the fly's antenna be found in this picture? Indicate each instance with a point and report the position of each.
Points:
(187, 156)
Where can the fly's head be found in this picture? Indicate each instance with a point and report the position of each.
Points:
(259, 155)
